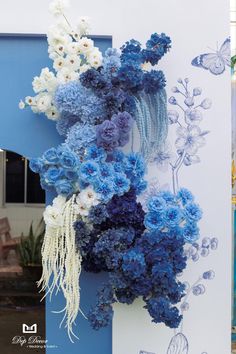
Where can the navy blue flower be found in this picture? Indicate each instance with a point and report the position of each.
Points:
(153, 81)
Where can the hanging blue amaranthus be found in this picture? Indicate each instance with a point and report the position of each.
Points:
(152, 121)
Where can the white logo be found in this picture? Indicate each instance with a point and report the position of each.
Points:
(29, 329)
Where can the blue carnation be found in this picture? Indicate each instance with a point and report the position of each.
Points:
(95, 153)
(105, 189)
(173, 216)
(193, 212)
(185, 196)
(154, 221)
(156, 203)
(190, 232)
(121, 183)
(106, 170)
(89, 171)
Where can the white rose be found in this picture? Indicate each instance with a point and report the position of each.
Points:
(43, 102)
(52, 113)
(73, 62)
(59, 202)
(53, 217)
(85, 45)
(65, 75)
(59, 63)
(72, 48)
(81, 209)
(38, 84)
(88, 197)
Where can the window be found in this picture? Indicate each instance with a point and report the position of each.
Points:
(21, 184)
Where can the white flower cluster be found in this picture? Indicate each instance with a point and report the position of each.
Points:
(53, 214)
(72, 53)
(85, 200)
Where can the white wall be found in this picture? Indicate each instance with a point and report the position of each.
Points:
(193, 26)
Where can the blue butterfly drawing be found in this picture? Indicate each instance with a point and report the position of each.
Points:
(215, 62)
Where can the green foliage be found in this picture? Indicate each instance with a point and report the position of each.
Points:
(30, 246)
(233, 61)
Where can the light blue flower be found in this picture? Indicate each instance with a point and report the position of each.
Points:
(53, 174)
(69, 160)
(193, 212)
(156, 203)
(80, 137)
(105, 189)
(172, 216)
(185, 196)
(95, 153)
(64, 187)
(89, 171)
(106, 170)
(153, 221)
(51, 156)
(121, 183)
(198, 290)
(190, 232)
(36, 165)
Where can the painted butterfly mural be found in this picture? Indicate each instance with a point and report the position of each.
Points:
(215, 62)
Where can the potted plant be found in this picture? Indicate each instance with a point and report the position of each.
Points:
(30, 251)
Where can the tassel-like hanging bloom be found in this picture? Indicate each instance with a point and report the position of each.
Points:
(61, 260)
(152, 121)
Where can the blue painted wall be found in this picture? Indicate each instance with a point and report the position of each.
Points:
(22, 57)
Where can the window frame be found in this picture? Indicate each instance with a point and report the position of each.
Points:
(25, 204)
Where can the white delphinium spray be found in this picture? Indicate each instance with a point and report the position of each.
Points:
(72, 53)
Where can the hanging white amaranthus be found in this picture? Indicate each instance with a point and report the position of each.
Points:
(61, 259)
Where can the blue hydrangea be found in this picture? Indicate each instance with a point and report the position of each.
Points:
(133, 264)
(74, 99)
(80, 137)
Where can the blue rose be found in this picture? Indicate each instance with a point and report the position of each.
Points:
(53, 174)
(69, 160)
(64, 187)
(107, 132)
(51, 156)
(36, 165)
